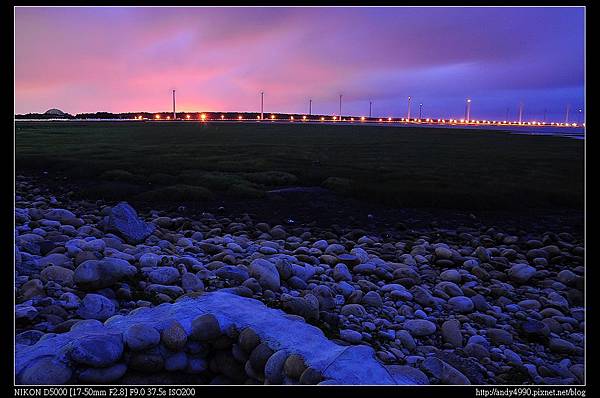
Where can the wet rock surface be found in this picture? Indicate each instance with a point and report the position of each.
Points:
(474, 303)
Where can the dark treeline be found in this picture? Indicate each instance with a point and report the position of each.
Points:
(183, 116)
(44, 116)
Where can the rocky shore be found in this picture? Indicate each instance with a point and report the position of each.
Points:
(463, 305)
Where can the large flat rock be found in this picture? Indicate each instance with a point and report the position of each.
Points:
(338, 364)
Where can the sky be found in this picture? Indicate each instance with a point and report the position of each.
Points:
(128, 59)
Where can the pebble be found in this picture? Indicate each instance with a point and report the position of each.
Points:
(461, 304)
(265, 273)
(98, 274)
(561, 346)
(420, 327)
(164, 275)
(294, 366)
(444, 372)
(521, 273)
(205, 327)
(351, 336)
(499, 336)
(96, 306)
(451, 333)
(372, 299)
(507, 293)
(248, 340)
(174, 336)
(353, 309)
(341, 273)
(140, 337)
(274, 372)
(259, 357)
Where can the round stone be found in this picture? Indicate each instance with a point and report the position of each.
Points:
(149, 260)
(561, 346)
(60, 275)
(451, 275)
(420, 327)
(461, 304)
(451, 333)
(274, 373)
(205, 327)
(477, 351)
(372, 299)
(354, 309)
(139, 337)
(443, 253)
(351, 336)
(96, 306)
(341, 273)
(248, 340)
(191, 283)
(521, 273)
(311, 376)
(259, 357)
(294, 366)
(499, 336)
(164, 275)
(266, 273)
(174, 336)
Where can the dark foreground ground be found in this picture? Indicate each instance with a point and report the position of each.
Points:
(401, 167)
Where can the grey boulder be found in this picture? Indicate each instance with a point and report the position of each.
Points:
(123, 220)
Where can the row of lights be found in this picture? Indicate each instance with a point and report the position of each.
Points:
(203, 117)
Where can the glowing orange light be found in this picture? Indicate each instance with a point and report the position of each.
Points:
(272, 116)
(389, 119)
(222, 117)
(351, 119)
(240, 117)
(362, 119)
(157, 116)
(203, 117)
(322, 118)
(334, 118)
(303, 117)
(381, 120)
(168, 117)
(291, 118)
(187, 116)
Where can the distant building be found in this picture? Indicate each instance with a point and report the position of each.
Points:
(55, 112)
